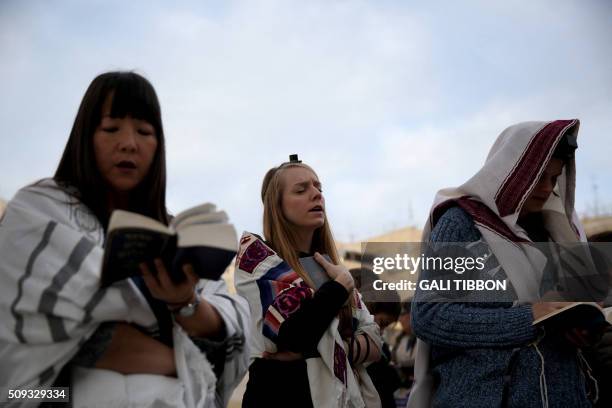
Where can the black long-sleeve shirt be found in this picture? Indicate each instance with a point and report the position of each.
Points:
(274, 383)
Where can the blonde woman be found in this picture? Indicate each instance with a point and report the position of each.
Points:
(309, 346)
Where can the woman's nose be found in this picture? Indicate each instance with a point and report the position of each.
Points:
(127, 141)
(547, 186)
(316, 194)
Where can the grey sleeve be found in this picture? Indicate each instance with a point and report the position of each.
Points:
(230, 354)
(488, 323)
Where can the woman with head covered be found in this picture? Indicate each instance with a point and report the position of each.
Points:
(487, 352)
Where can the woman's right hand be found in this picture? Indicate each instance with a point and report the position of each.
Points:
(339, 273)
(282, 356)
(540, 309)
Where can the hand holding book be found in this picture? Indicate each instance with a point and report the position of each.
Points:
(163, 288)
(200, 236)
(583, 337)
(582, 323)
(339, 273)
(541, 309)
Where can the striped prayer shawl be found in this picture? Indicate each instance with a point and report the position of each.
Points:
(51, 302)
(494, 197)
(274, 291)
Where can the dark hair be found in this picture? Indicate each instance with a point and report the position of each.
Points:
(132, 95)
(390, 308)
(407, 307)
(566, 148)
(387, 301)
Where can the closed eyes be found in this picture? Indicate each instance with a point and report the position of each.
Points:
(141, 131)
(146, 132)
(302, 190)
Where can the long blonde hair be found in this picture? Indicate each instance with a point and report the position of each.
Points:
(277, 229)
(282, 238)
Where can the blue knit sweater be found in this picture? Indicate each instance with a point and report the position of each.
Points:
(472, 345)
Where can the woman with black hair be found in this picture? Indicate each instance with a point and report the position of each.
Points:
(144, 341)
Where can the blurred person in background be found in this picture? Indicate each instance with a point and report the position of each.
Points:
(385, 307)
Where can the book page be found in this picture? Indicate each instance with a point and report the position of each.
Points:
(184, 217)
(217, 217)
(570, 306)
(125, 219)
(210, 235)
(608, 314)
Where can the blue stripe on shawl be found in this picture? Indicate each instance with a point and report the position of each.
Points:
(269, 333)
(268, 284)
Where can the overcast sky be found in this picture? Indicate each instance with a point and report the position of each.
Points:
(389, 101)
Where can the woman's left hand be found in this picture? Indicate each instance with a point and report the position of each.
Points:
(584, 338)
(164, 289)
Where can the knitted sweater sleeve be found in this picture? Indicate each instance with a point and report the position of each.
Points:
(468, 325)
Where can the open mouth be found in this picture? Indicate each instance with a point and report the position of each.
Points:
(125, 164)
(316, 208)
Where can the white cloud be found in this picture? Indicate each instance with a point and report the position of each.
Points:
(388, 101)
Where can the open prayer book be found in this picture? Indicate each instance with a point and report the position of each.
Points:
(200, 236)
(577, 314)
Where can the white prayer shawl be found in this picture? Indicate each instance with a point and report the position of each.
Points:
(51, 303)
(494, 197)
(261, 277)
